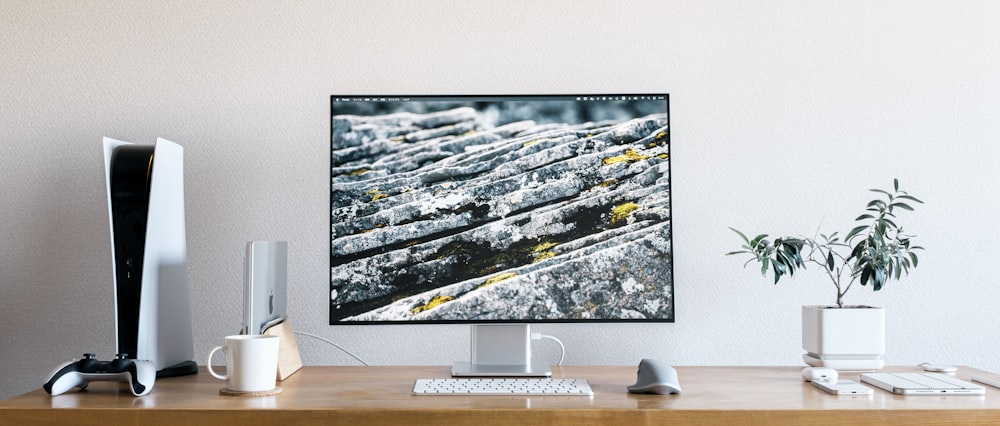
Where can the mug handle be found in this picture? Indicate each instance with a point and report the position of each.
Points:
(209, 364)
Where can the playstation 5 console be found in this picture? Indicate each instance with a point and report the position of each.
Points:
(149, 254)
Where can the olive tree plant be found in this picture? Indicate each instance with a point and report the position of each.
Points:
(873, 252)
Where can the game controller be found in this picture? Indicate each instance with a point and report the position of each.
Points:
(139, 374)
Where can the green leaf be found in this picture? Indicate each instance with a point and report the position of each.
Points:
(829, 261)
(859, 249)
(902, 206)
(863, 217)
(855, 231)
(910, 197)
(779, 270)
(786, 263)
(895, 184)
(791, 252)
(745, 239)
(879, 279)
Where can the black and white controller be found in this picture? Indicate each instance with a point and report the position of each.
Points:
(139, 374)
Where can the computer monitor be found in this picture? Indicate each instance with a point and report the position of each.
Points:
(500, 211)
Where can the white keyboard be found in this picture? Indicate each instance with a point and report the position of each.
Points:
(502, 386)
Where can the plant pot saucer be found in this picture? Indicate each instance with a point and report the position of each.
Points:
(846, 363)
(844, 307)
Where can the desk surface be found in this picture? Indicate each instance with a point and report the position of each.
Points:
(381, 395)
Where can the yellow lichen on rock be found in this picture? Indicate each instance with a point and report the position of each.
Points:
(376, 194)
(497, 278)
(621, 211)
(542, 252)
(544, 255)
(435, 302)
(630, 156)
(544, 246)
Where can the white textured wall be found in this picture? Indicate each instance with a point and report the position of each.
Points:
(784, 113)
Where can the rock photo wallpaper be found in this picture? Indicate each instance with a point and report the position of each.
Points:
(540, 209)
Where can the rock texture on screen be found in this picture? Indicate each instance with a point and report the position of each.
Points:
(477, 213)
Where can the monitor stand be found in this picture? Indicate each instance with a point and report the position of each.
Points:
(500, 350)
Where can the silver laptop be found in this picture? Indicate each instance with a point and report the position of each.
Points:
(265, 277)
(922, 384)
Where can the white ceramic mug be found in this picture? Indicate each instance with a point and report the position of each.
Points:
(251, 362)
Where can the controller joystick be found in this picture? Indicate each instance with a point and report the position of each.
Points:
(140, 375)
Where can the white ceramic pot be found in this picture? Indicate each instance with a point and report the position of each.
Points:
(849, 338)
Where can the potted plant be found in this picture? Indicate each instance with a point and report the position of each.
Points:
(872, 253)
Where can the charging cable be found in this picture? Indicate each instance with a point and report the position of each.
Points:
(534, 336)
(562, 355)
(333, 344)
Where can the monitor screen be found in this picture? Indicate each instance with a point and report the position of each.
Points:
(481, 209)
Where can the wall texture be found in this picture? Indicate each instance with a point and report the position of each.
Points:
(784, 113)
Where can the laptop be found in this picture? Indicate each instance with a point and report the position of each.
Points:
(922, 384)
(265, 277)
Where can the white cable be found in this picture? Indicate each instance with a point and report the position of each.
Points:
(562, 355)
(334, 345)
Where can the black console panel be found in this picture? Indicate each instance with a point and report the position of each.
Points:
(131, 177)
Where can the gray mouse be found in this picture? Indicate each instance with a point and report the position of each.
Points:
(656, 377)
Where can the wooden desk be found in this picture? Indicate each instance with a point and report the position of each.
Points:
(359, 396)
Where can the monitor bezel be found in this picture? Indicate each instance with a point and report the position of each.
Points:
(467, 97)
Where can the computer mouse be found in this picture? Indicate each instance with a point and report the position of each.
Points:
(656, 377)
